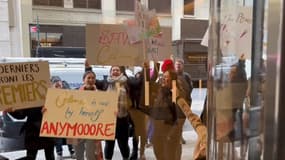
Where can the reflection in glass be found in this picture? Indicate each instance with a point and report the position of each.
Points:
(235, 105)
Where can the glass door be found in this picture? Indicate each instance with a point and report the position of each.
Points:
(236, 79)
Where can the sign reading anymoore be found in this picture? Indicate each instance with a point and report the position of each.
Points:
(80, 114)
(23, 85)
(108, 44)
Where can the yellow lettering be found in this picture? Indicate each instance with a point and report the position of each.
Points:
(1, 102)
(69, 99)
(40, 86)
(18, 90)
(19, 93)
(6, 94)
(58, 102)
(30, 92)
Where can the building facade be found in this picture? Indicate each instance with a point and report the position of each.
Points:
(29, 23)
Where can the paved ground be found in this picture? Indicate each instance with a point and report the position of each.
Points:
(198, 96)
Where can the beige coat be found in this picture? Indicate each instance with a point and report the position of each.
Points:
(200, 128)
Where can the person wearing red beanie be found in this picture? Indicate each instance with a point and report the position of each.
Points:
(167, 65)
(167, 117)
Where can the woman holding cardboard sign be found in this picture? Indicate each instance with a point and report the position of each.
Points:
(92, 148)
(31, 129)
(117, 81)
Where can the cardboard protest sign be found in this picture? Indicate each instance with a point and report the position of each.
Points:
(80, 114)
(23, 85)
(133, 30)
(140, 11)
(159, 47)
(146, 20)
(108, 44)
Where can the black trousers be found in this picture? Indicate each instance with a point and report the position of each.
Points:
(32, 154)
(122, 137)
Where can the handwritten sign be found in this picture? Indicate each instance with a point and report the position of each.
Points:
(146, 20)
(80, 114)
(23, 85)
(159, 47)
(236, 32)
(133, 30)
(140, 10)
(108, 44)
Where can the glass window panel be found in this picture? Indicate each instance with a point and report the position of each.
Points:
(58, 3)
(95, 4)
(189, 6)
(80, 3)
(164, 7)
(125, 5)
(41, 2)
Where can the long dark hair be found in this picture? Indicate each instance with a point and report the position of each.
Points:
(123, 71)
(86, 73)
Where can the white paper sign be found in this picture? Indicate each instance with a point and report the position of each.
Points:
(236, 32)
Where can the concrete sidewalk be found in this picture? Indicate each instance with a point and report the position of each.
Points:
(187, 150)
(198, 96)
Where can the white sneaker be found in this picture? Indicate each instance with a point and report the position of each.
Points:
(59, 157)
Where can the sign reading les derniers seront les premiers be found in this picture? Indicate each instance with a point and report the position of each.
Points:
(23, 85)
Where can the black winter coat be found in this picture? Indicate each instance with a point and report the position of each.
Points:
(31, 128)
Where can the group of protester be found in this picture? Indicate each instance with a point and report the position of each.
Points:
(163, 115)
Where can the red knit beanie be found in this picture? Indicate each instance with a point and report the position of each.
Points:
(167, 65)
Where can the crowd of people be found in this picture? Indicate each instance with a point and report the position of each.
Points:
(158, 124)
